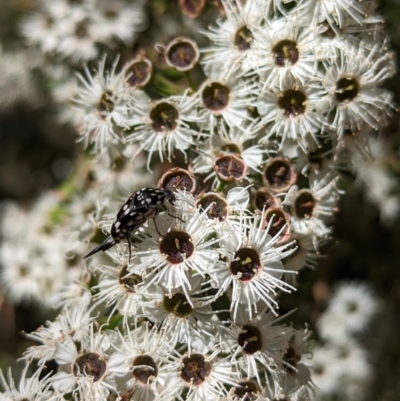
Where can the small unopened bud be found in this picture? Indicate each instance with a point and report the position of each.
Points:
(230, 167)
(215, 205)
(137, 73)
(278, 174)
(182, 54)
(304, 204)
(265, 199)
(178, 178)
(192, 8)
(277, 219)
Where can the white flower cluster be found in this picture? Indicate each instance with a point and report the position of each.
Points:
(34, 267)
(190, 311)
(74, 29)
(307, 87)
(342, 367)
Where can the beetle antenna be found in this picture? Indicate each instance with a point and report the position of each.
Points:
(107, 244)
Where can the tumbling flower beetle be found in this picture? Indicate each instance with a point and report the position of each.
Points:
(142, 205)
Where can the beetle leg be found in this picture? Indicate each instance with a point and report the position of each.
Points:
(155, 224)
(129, 247)
(171, 215)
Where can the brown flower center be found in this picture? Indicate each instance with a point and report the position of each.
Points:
(105, 105)
(292, 103)
(144, 368)
(215, 97)
(243, 39)
(245, 264)
(248, 391)
(285, 53)
(90, 364)
(129, 281)
(292, 358)
(250, 339)
(177, 246)
(178, 305)
(164, 117)
(178, 178)
(346, 90)
(195, 369)
(192, 8)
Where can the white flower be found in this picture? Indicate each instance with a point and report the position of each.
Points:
(34, 270)
(65, 94)
(107, 113)
(119, 288)
(278, 387)
(305, 255)
(34, 265)
(313, 208)
(181, 319)
(252, 264)
(17, 276)
(232, 40)
(227, 140)
(85, 211)
(292, 111)
(283, 48)
(42, 29)
(352, 82)
(354, 360)
(117, 20)
(245, 389)
(121, 173)
(325, 370)
(177, 243)
(89, 370)
(13, 220)
(351, 35)
(16, 69)
(146, 351)
(295, 360)
(74, 321)
(77, 41)
(163, 126)
(349, 312)
(73, 293)
(221, 207)
(260, 343)
(380, 184)
(29, 388)
(319, 160)
(337, 13)
(202, 373)
(225, 97)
